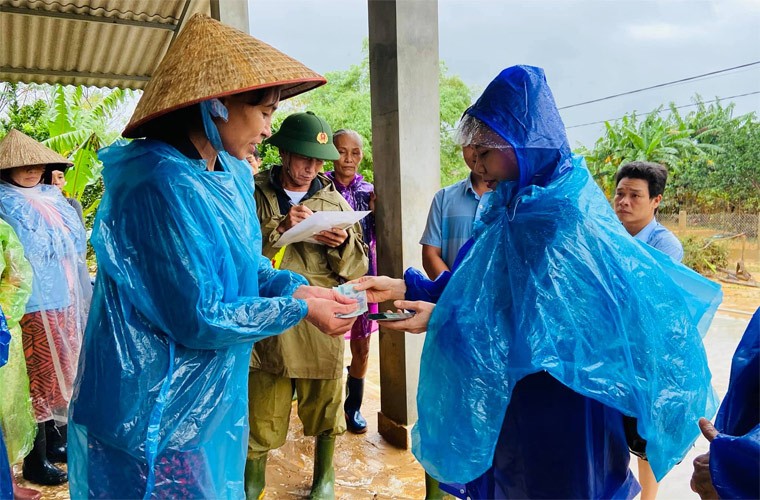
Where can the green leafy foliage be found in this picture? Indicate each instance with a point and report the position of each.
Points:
(73, 121)
(704, 255)
(456, 97)
(31, 119)
(345, 103)
(80, 124)
(713, 158)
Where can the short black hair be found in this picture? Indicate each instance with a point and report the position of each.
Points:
(655, 174)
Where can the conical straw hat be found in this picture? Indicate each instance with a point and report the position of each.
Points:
(19, 150)
(209, 59)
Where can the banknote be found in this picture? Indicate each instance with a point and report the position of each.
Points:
(361, 297)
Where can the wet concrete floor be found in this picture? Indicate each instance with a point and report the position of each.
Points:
(366, 466)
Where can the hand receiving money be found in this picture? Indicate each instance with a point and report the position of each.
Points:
(361, 298)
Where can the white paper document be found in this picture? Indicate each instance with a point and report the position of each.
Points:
(318, 222)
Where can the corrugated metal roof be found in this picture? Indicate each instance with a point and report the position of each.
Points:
(103, 43)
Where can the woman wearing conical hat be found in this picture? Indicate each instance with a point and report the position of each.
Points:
(54, 242)
(183, 290)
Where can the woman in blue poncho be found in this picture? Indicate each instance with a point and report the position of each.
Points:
(54, 315)
(160, 405)
(554, 324)
(731, 469)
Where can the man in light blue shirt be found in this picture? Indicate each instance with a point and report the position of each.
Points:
(450, 220)
(638, 194)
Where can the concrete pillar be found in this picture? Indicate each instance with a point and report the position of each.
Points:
(232, 13)
(403, 57)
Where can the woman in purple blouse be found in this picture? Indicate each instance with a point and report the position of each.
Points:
(361, 196)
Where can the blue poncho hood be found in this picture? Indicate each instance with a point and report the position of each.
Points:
(554, 283)
(519, 106)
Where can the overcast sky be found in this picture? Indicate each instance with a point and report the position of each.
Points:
(589, 49)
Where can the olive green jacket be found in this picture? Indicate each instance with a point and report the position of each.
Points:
(303, 351)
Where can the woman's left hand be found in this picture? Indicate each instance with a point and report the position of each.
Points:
(333, 238)
(417, 323)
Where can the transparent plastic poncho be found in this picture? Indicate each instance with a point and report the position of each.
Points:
(16, 416)
(182, 293)
(55, 244)
(553, 282)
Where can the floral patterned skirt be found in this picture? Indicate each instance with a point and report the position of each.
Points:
(113, 473)
(51, 347)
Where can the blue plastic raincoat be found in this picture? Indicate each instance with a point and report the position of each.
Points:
(160, 407)
(735, 452)
(6, 486)
(55, 244)
(554, 285)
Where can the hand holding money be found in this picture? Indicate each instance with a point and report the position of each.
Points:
(348, 291)
(325, 306)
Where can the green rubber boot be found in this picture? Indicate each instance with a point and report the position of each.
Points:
(323, 484)
(255, 477)
(432, 489)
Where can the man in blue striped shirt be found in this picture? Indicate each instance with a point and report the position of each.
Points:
(638, 194)
(450, 220)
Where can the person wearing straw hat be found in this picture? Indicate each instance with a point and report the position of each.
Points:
(54, 242)
(301, 360)
(161, 406)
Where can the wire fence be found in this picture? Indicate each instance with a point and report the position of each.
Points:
(725, 224)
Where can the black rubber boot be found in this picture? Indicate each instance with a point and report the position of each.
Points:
(37, 468)
(255, 477)
(56, 442)
(323, 484)
(355, 422)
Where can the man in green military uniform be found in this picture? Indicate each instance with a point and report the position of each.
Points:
(302, 359)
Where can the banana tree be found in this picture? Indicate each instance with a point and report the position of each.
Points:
(670, 140)
(80, 123)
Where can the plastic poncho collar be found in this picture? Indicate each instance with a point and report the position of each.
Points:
(182, 293)
(553, 282)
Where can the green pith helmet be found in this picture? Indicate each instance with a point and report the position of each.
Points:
(307, 135)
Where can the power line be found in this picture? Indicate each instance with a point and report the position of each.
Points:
(677, 107)
(660, 85)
